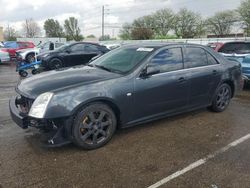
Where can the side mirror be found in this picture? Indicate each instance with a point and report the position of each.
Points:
(150, 70)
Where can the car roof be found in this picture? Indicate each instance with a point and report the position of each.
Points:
(161, 44)
(234, 42)
(84, 43)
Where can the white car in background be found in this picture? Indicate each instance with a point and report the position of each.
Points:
(29, 55)
(112, 46)
(4, 56)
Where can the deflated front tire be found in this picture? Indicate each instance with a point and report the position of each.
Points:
(94, 126)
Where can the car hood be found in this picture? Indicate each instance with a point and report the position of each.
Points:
(62, 78)
(28, 50)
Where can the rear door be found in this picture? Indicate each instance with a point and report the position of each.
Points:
(204, 73)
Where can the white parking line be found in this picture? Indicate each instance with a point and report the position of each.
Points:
(199, 162)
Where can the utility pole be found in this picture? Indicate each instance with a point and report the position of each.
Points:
(103, 9)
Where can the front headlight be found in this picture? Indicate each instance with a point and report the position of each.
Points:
(39, 106)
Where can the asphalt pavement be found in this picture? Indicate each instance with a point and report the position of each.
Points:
(136, 157)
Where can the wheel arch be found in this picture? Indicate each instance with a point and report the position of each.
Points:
(30, 53)
(109, 102)
(231, 84)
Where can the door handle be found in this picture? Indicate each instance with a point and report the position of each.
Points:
(181, 80)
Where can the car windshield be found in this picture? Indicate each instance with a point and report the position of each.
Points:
(10, 45)
(238, 48)
(122, 60)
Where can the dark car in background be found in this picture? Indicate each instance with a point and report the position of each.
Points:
(130, 85)
(68, 55)
(239, 51)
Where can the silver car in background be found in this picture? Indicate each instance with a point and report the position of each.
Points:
(4, 56)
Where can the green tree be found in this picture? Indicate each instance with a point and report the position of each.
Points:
(244, 11)
(53, 28)
(72, 30)
(141, 33)
(187, 24)
(125, 32)
(91, 36)
(163, 21)
(143, 28)
(221, 23)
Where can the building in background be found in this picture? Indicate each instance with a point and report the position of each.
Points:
(1, 34)
(41, 40)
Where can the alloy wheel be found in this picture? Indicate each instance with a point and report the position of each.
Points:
(223, 97)
(95, 127)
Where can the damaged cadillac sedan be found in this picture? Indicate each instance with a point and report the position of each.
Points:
(130, 85)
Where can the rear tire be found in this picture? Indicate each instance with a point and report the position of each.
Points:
(222, 98)
(94, 126)
(55, 64)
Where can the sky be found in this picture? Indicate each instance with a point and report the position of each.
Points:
(117, 12)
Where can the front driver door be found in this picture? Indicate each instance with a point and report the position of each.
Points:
(91, 51)
(164, 92)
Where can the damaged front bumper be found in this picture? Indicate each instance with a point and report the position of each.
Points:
(58, 131)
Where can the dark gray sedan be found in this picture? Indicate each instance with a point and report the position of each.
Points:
(128, 86)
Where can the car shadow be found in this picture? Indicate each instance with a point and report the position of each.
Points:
(34, 140)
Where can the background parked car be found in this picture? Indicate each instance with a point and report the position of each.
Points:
(71, 54)
(239, 51)
(215, 45)
(4, 56)
(28, 55)
(112, 46)
(12, 47)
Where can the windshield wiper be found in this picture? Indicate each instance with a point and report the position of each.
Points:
(104, 68)
(108, 69)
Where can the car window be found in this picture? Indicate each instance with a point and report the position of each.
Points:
(195, 57)
(122, 59)
(78, 47)
(238, 48)
(91, 48)
(168, 59)
(211, 60)
(46, 46)
(57, 45)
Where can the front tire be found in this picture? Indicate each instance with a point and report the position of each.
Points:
(55, 64)
(94, 126)
(23, 73)
(222, 98)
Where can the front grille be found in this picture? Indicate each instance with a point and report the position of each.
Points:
(24, 104)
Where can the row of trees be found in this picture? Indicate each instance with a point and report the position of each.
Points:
(187, 24)
(52, 28)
